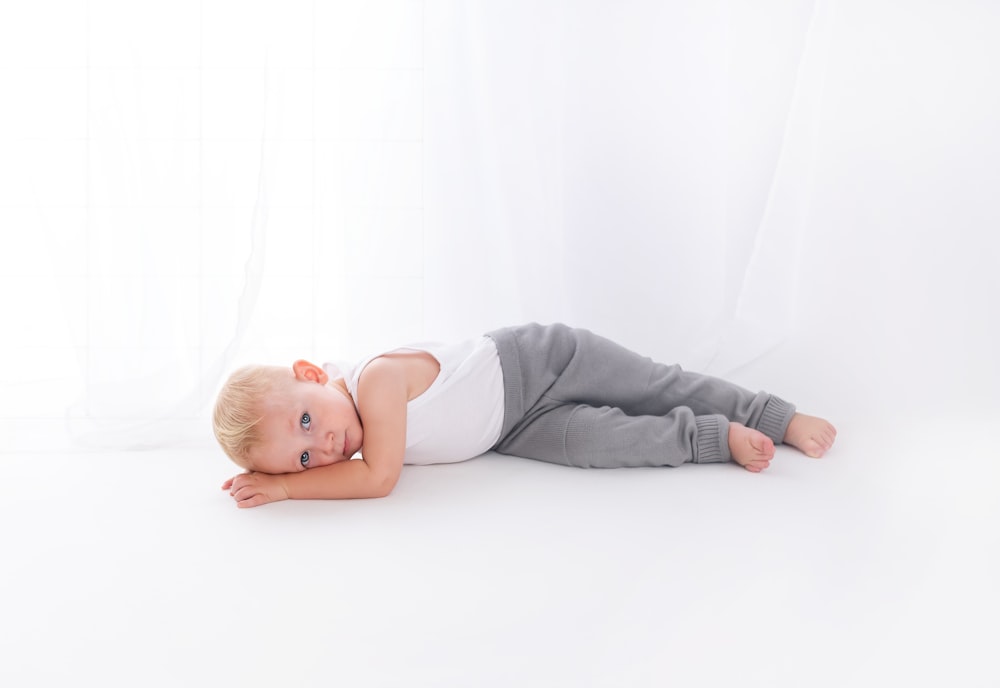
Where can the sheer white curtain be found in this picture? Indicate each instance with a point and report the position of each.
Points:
(191, 185)
(629, 167)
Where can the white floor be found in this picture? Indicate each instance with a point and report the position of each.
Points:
(875, 566)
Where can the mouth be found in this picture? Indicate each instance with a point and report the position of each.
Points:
(344, 452)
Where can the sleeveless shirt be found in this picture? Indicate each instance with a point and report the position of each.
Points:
(460, 414)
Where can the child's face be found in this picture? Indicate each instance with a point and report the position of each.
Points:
(307, 423)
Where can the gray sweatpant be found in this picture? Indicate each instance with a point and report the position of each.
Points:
(575, 398)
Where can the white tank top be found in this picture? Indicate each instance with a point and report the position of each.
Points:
(461, 414)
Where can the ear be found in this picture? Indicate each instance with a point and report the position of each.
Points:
(309, 372)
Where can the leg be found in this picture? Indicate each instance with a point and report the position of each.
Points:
(590, 437)
(556, 364)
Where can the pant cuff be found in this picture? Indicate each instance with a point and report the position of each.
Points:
(775, 418)
(711, 439)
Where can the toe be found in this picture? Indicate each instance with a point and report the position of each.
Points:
(762, 445)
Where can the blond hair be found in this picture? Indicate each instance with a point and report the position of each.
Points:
(238, 409)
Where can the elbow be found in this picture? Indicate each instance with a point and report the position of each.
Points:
(383, 484)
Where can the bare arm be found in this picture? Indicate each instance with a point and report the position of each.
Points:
(343, 480)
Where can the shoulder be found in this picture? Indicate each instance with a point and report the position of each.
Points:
(381, 399)
(415, 371)
(382, 375)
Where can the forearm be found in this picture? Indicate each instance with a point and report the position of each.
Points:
(344, 480)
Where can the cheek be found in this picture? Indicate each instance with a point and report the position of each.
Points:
(267, 459)
(340, 414)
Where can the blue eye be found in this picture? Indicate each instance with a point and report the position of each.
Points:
(305, 420)
(304, 459)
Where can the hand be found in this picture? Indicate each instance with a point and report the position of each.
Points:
(253, 489)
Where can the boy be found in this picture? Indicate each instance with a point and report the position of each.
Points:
(551, 393)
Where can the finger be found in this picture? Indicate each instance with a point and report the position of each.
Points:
(238, 483)
(235, 481)
(245, 492)
(256, 500)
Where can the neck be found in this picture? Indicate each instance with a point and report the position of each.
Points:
(341, 385)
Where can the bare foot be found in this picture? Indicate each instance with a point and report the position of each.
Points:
(751, 449)
(811, 435)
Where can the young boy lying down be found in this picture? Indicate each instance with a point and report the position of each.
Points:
(546, 392)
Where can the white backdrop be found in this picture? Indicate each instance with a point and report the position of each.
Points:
(187, 186)
(801, 196)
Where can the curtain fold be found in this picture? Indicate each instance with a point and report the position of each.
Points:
(341, 176)
(445, 168)
(611, 164)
